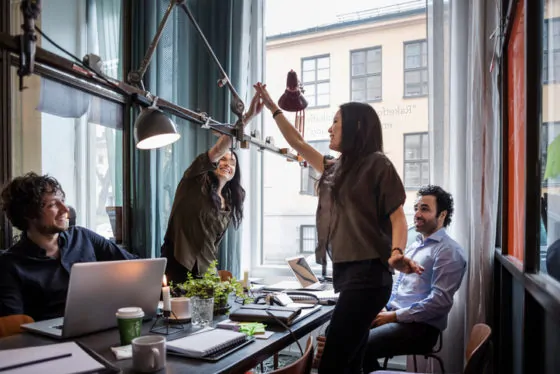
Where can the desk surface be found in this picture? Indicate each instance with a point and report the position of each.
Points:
(237, 362)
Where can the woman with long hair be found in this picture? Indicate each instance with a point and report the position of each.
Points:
(361, 225)
(208, 198)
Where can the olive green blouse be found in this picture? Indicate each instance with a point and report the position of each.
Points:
(195, 226)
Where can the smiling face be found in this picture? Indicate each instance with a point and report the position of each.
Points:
(335, 132)
(426, 219)
(226, 168)
(53, 217)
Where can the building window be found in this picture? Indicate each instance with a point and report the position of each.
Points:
(551, 51)
(416, 160)
(365, 74)
(415, 68)
(316, 72)
(307, 238)
(310, 176)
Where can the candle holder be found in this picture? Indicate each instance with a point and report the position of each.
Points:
(162, 324)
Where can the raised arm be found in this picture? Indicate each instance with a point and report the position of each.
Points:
(224, 142)
(289, 132)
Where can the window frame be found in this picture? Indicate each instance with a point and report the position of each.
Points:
(546, 52)
(317, 82)
(420, 161)
(406, 70)
(366, 75)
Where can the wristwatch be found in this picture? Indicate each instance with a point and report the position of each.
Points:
(397, 249)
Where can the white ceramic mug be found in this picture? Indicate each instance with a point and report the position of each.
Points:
(149, 353)
(181, 307)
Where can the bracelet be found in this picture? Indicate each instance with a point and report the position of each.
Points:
(397, 249)
(276, 112)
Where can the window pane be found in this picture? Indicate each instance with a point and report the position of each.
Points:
(359, 95)
(425, 147)
(425, 173)
(358, 69)
(358, 84)
(358, 57)
(323, 74)
(309, 65)
(80, 144)
(412, 147)
(309, 76)
(412, 175)
(323, 63)
(309, 90)
(374, 87)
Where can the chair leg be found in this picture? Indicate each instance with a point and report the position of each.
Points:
(440, 362)
(275, 361)
(385, 363)
(415, 364)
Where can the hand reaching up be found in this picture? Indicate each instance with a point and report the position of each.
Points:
(265, 96)
(254, 108)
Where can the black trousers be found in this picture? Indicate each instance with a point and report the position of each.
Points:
(348, 331)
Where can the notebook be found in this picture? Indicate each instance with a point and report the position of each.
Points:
(325, 297)
(207, 343)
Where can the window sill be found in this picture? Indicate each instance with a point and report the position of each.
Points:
(406, 97)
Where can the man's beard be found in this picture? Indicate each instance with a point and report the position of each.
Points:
(51, 229)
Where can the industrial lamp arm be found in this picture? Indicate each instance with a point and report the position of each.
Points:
(136, 77)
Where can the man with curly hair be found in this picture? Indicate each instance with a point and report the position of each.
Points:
(35, 271)
(419, 304)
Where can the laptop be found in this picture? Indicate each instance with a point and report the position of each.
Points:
(98, 289)
(306, 279)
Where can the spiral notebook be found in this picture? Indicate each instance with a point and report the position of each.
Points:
(208, 344)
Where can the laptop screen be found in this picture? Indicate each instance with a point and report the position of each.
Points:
(302, 271)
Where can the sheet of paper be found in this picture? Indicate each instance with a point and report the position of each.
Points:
(266, 335)
(80, 360)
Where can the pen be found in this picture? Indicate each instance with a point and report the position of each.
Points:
(5, 368)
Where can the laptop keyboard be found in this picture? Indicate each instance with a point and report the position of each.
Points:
(325, 287)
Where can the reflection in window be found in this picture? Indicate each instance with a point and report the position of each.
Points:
(550, 150)
(415, 68)
(551, 46)
(309, 176)
(316, 80)
(416, 160)
(366, 74)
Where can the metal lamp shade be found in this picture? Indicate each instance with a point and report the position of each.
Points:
(153, 129)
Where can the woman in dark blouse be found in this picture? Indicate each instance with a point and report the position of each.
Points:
(360, 224)
(208, 198)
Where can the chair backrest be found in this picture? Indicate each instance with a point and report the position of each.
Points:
(10, 325)
(225, 275)
(479, 349)
(302, 365)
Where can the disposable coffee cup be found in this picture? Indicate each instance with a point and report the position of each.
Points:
(129, 321)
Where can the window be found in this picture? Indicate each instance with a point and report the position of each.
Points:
(307, 238)
(551, 47)
(365, 74)
(416, 160)
(79, 144)
(415, 68)
(316, 80)
(309, 176)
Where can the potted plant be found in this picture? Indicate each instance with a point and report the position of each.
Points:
(210, 285)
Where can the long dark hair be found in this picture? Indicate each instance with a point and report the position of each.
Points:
(233, 193)
(361, 136)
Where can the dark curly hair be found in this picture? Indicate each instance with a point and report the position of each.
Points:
(444, 201)
(233, 193)
(22, 198)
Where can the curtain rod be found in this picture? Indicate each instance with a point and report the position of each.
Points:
(70, 73)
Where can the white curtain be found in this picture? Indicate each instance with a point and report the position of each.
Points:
(473, 169)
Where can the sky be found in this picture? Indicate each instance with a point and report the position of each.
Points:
(291, 15)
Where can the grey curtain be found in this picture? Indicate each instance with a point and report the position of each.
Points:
(182, 72)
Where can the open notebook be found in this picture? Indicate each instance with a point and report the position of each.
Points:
(214, 343)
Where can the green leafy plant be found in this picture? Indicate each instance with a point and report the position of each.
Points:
(210, 285)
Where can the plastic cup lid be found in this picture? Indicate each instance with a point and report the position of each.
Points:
(130, 312)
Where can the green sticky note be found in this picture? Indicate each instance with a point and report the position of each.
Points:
(553, 159)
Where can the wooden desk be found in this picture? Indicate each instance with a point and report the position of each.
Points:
(239, 361)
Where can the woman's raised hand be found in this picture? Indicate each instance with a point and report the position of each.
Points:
(265, 96)
(254, 108)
